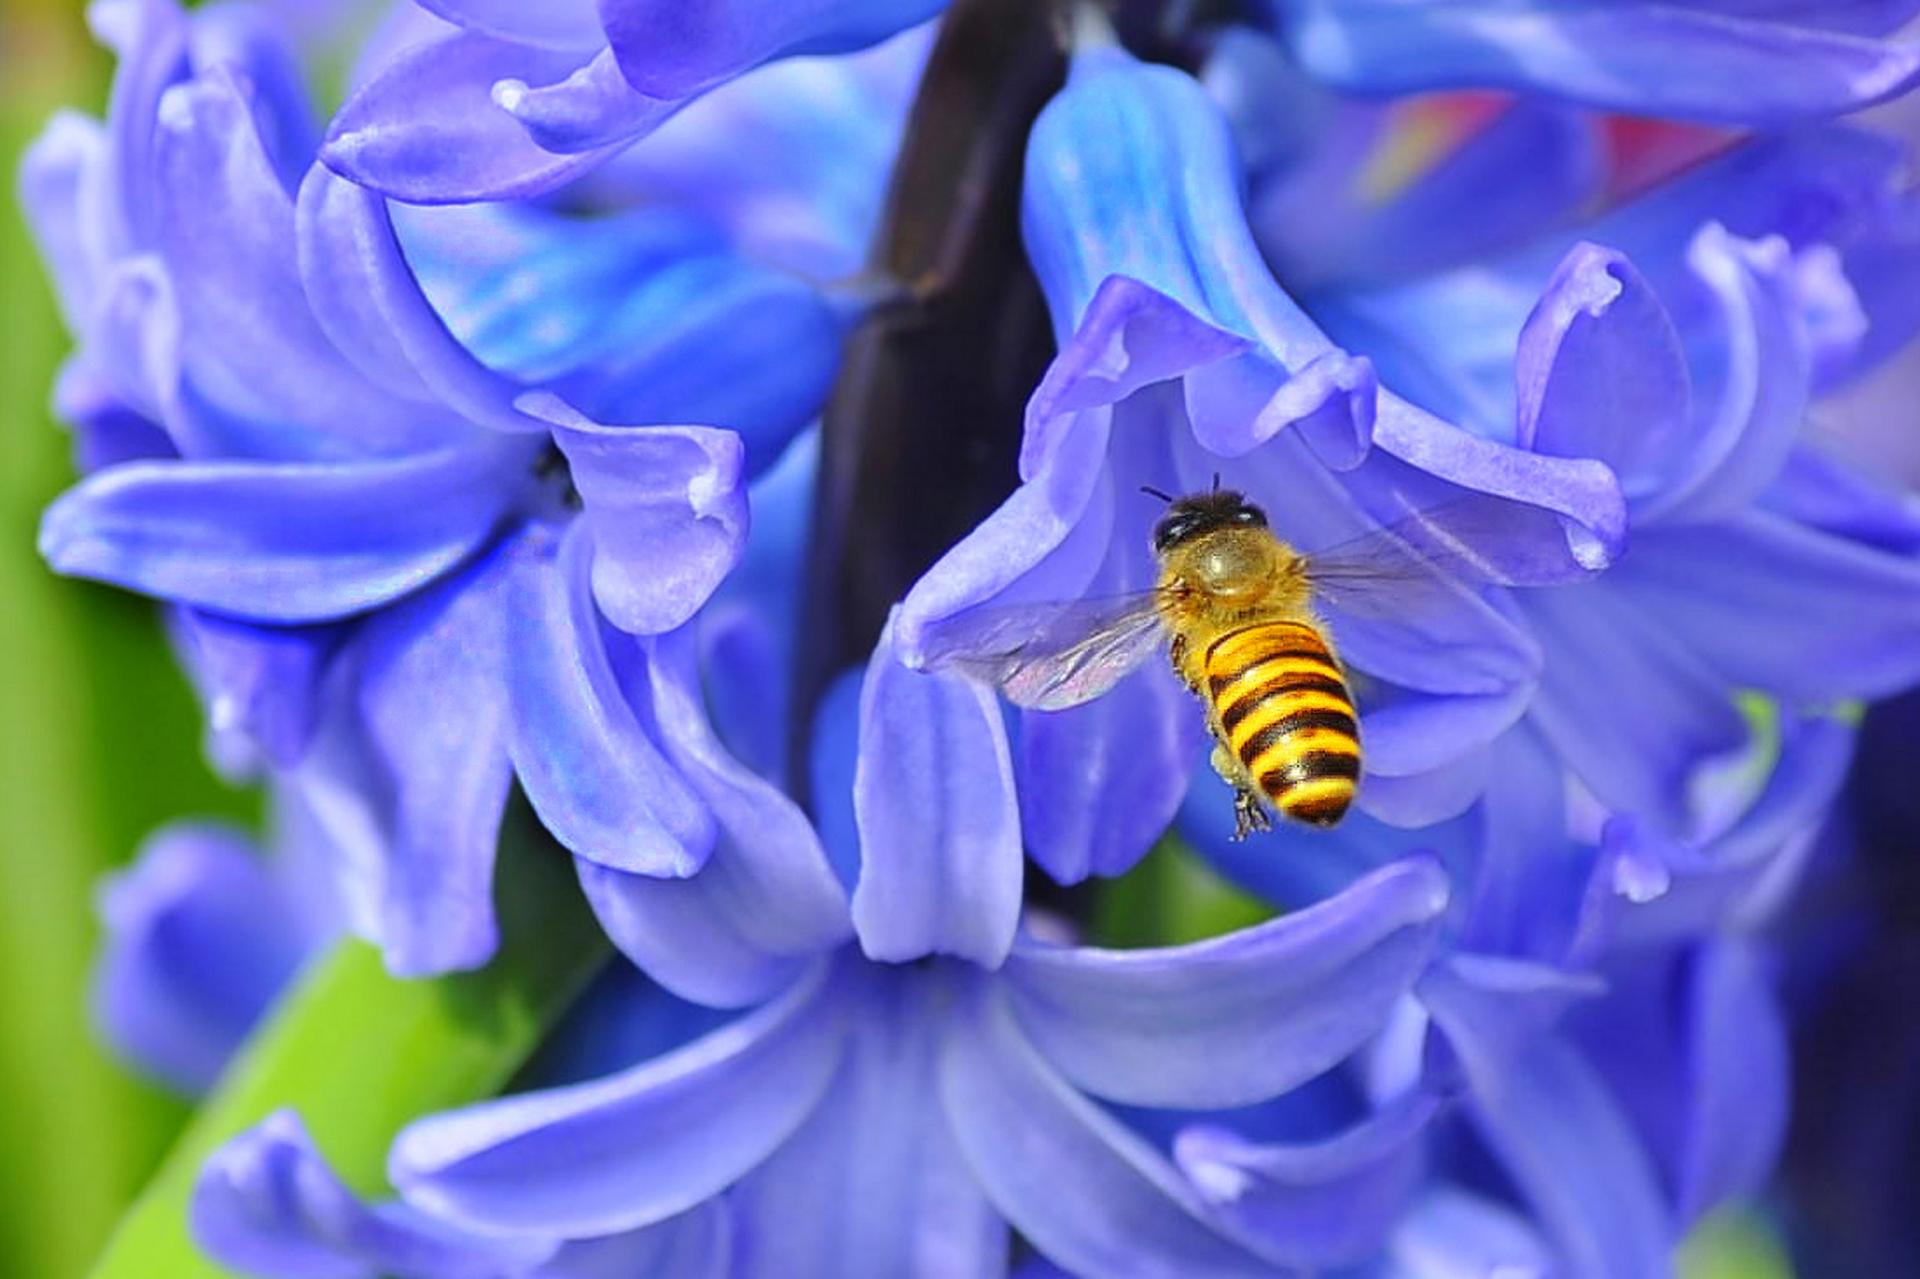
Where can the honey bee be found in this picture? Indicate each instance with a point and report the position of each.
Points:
(1234, 607)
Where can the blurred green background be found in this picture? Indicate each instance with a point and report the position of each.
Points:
(99, 743)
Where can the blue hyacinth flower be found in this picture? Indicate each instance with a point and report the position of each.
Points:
(510, 101)
(346, 501)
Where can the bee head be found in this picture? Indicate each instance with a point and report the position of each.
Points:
(1191, 516)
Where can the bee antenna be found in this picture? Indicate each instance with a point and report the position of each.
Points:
(1151, 491)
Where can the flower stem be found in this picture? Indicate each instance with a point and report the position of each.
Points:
(923, 429)
(359, 1053)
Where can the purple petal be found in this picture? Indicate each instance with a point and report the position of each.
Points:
(1821, 491)
(1083, 1188)
(280, 542)
(591, 112)
(637, 1147)
(790, 158)
(1600, 373)
(1765, 373)
(1646, 59)
(1450, 1234)
(1739, 1073)
(666, 507)
(428, 127)
(225, 225)
(1559, 1134)
(261, 684)
(697, 1244)
(763, 905)
(1665, 890)
(61, 174)
(1324, 1203)
(1625, 702)
(200, 939)
(1851, 604)
(1238, 1019)
(150, 40)
(556, 24)
(1104, 780)
(676, 48)
(106, 430)
(1130, 174)
(1531, 168)
(434, 701)
(939, 824)
(872, 1185)
(267, 1203)
(592, 771)
(370, 302)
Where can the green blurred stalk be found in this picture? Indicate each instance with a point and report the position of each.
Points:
(99, 741)
(359, 1053)
(1172, 897)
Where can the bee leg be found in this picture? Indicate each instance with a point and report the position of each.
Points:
(1249, 814)
(1177, 654)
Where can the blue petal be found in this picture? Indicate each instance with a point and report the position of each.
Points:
(1237, 1019)
(637, 1147)
(666, 508)
(1559, 1134)
(261, 685)
(1753, 381)
(1849, 603)
(428, 127)
(267, 1203)
(1626, 702)
(371, 304)
(872, 1186)
(791, 158)
(1130, 173)
(1647, 59)
(1600, 373)
(1083, 1188)
(558, 24)
(1739, 1073)
(433, 699)
(1666, 890)
(200, 939)
(939, 824)
(673, 48)
(61, 173)
(1102, 781)
(1451, 1234)
(281, 542)
(767, 901)
(1531, 168)
(225, 227)
(1325, 1203)
(697, 1244)
(589, 766)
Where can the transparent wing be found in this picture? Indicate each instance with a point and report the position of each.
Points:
(1431, 555)
(1049, 656)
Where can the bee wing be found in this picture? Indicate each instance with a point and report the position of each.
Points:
(1426, 557)
(1049, 656)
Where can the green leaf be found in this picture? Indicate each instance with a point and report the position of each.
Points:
(359, 1053)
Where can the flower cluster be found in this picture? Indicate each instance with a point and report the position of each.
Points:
(495, 437)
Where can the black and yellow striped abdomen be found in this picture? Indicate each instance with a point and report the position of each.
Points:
(1286, 715)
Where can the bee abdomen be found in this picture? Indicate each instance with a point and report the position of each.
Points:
(1287, 716)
